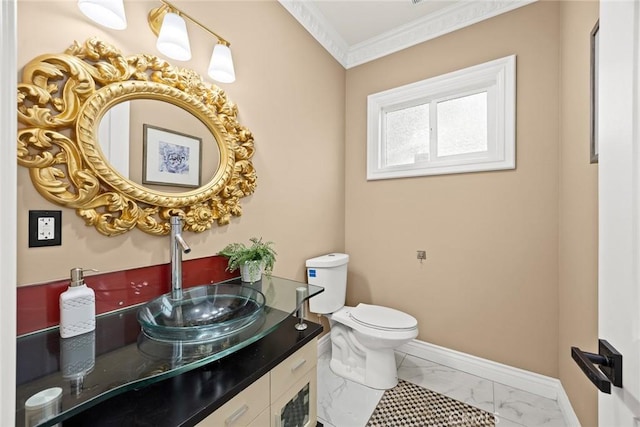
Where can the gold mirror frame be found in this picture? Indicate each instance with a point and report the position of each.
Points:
(62, 99)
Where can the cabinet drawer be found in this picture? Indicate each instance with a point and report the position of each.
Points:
(243, 408)
(293, 368)
(262, 420)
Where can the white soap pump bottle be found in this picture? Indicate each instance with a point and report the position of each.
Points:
(77, 306)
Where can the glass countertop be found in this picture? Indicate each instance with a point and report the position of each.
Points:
(59, 377)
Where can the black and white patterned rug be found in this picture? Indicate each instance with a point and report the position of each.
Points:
(409, 405)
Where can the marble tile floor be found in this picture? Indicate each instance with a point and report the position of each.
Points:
(343, 403)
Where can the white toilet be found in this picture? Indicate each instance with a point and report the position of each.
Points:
(363, 338)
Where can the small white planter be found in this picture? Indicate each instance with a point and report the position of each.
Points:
(251, 271)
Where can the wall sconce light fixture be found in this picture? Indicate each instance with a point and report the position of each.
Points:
(168, 23)
(109, 13)
(173, 41)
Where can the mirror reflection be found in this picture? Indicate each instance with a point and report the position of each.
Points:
(121, 135)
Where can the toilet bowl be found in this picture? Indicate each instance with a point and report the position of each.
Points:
(363, 350)
(364, 337)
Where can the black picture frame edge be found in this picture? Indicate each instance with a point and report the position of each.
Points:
(594, 152)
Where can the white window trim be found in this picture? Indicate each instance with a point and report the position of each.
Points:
(498, 75)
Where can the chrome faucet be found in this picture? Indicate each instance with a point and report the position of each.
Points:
(178, 245)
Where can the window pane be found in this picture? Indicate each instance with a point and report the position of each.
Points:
(462, 125)
(407, 135)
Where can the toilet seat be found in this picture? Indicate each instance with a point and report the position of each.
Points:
(382, 318)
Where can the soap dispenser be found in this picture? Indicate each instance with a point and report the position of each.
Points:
(77, 306)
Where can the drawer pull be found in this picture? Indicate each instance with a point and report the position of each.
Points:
(237, 414)
(298, 364)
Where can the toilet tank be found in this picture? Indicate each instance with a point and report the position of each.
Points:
(330, 272)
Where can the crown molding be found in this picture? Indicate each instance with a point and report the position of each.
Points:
(457, 16)
(310, 17)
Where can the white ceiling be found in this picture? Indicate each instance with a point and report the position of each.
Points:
(358, 31)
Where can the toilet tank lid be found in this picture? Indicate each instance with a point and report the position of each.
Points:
(329, 260)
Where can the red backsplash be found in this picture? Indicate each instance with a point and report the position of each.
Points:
(38, 305)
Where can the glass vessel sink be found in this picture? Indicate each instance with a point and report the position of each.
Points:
(205, 313)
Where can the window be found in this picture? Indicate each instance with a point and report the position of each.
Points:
(462, 121)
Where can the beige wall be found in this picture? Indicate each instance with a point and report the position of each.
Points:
(295, 109)
(578, 290)
(511, 273)
(489, 286)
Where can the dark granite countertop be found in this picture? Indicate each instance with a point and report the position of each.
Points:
(188, 398)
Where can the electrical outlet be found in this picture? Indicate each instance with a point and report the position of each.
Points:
(45, 228)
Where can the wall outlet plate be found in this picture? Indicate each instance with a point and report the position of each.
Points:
(45, 228)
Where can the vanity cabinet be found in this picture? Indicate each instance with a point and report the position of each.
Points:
(286, 396)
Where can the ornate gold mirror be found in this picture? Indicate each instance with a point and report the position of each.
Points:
(67, 104)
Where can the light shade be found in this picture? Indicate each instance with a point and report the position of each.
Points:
(173, 40)
(221, 64)
(108, 13)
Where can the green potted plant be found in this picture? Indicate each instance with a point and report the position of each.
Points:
(253, 260)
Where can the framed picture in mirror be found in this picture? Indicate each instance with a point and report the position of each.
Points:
(170, 158)
(594, 93)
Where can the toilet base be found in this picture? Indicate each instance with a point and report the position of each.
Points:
(375, 368)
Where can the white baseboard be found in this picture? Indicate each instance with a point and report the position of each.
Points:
(565, 406)
(531, 382)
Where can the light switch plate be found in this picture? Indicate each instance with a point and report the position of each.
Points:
(45, 228)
